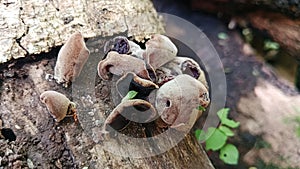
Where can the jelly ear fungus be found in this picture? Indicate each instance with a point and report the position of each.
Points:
(58, 105)
(71, 59)
(120, 64)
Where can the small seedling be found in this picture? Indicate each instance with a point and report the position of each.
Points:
(215, 138)
(222, 36)
(201, 108)
(229, 154)
(222, 114)
(248, 34)
(270, 45)
(130, 95)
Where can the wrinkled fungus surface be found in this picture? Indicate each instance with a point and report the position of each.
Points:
(58, 105)
(169, 98)
(71, 59)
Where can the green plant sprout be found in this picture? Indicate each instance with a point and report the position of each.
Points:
(270, 45)
(215, 138)
(130, 95)
(201, 108)
(222, 36)
(248, 34)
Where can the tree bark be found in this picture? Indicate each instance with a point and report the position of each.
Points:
(32, 27)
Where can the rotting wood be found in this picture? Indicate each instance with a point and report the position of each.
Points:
(41, 142)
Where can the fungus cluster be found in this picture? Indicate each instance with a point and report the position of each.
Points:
(169, 88)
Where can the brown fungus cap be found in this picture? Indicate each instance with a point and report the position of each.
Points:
(177, 101)
(136, 110)
(57, 104)
(178, 66)
(159, 51)
(131, 81)
(71, 59)
(120, 64)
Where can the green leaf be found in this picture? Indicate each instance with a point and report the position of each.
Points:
(200, 135)
(227, 70)
(222, 36)
(270, 45)
(216, 140)
(230, 123)
(222, 114)
(201, 108)
(130, 95)
(227, 131)
(229, 154)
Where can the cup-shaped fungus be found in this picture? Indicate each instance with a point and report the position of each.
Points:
(58, 105)
(135, 50)
(118, 44)
(177, 101)
(136, 110)
(178, 66)
(174, 92)
(120, 64)
(159, 51)
(132, 82)
(71, 59)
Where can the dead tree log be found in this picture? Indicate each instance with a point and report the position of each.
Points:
(32, 27)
